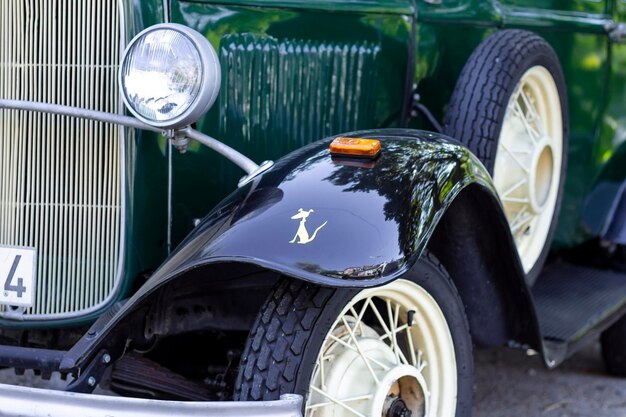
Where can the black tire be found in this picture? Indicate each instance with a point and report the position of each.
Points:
(479, 102)
(283, 345)
(614, 348)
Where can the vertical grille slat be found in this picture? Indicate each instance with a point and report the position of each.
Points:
(61, 178)
(279, 95)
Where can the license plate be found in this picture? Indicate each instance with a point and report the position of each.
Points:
(17, 276)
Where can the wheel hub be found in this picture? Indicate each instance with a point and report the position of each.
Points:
(397, 391)
(541, 173)
(397, 408)
(401, 393)
(534, 182)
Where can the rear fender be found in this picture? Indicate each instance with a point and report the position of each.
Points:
(604, 211)
(339, 222)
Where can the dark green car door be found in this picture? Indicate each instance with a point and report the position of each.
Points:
(611, 148)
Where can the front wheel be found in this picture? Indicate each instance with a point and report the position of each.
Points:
(387, 351)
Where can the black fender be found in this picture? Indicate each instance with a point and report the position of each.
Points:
(604, 210)
(616, 232)
(373, 220)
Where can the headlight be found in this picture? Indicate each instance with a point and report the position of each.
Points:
(170, 76)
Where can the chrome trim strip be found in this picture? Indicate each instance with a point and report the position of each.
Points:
(33, 402)
(170, 198)
(76, 112)
(231, 154)
(123, 186)
(167, 16)
(239, 159)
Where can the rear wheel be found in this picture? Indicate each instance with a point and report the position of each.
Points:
(614, 348)
(386, 351)
(510, 108)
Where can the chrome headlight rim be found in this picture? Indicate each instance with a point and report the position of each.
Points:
(210, 78)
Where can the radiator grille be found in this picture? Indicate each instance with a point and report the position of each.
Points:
(60, 183)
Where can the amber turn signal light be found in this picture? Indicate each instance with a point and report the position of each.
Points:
(355, 148)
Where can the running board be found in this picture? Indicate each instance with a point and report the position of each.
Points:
(574, 304)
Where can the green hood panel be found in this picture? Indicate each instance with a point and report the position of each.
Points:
(405, 7)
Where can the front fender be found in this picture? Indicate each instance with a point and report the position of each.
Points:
(374, 218)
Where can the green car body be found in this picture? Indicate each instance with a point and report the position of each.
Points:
(444, 37)
(295, 72)
(439, 49)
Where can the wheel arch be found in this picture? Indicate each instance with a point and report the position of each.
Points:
(473, 242)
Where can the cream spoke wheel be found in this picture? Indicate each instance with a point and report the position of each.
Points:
(390, 351)
(509, 107)
(528, 161)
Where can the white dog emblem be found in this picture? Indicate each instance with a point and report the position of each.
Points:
(302, 235)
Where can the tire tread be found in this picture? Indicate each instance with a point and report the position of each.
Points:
(271, 356)
(483, 86)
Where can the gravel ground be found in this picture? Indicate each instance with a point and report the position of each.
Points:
(511, 384)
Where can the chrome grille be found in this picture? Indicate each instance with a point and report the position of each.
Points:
(61, 178)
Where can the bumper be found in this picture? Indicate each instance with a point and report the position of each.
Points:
(33, 402)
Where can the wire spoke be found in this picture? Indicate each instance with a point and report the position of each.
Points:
(519, 215)
(357, 322)
(380, 318)
(358, 348)
(392, 326)
(359, 316)
(515, 158)
(533, 133)
(393, 322)
(515, 200)
(336, 401)
(398, 330)
(519, 225)
(409, 338)
(399, 352)
(321, 361)
(533, 112)
(514, 187)
(422, 365)
(343, 400)
(352, 348)
(521, 115)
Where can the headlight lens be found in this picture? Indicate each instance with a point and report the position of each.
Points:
(169, 76)
(163, 75)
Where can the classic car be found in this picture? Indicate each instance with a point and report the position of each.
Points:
(448, 175)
